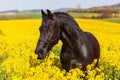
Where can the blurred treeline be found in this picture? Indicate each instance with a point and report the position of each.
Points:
(20, 16)
(99, 12)
(96, 12)
(106, 14)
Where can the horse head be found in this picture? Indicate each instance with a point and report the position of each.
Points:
(49, 34)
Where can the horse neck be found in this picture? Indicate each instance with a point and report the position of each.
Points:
(70, 35)
(69, 31)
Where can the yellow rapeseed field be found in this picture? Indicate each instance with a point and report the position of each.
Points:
(18, 39)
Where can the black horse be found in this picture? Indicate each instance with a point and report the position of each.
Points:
(78, 46)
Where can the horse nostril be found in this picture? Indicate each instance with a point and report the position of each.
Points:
(39, 56)
(36, 52)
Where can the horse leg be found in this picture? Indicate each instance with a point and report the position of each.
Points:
(96, 65)
(68, 61)
(65, 60)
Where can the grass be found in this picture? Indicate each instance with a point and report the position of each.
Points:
(32, 15)
(114, 20)
(83, 15)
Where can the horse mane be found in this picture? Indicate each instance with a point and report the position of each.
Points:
(66, 18)
(62, 14)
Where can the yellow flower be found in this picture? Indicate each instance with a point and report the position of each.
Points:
(19, 62)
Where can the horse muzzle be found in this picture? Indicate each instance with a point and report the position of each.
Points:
(42, 54)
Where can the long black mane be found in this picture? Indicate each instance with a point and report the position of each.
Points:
(66, 19)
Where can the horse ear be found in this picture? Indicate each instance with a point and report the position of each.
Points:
(43, 13)
(50, 14)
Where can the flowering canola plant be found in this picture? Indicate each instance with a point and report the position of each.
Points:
(18, 39)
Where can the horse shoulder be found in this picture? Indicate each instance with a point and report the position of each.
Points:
(94, 44)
